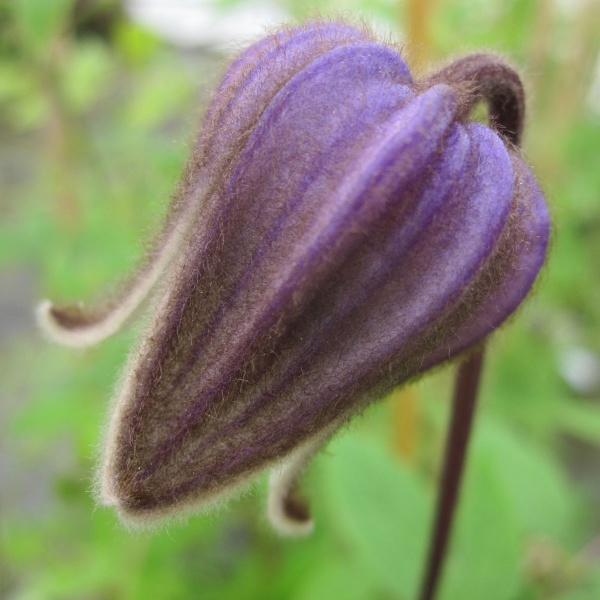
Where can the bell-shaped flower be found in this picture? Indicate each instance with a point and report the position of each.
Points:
(339, 229)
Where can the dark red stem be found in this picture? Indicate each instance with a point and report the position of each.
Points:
(463, 408)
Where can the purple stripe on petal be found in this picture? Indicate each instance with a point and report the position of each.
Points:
(250, 83)
(371, 344)
(432, 111)
(504, 300)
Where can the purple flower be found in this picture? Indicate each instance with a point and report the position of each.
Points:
(339, 229)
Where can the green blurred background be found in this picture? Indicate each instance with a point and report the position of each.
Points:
(99, 102)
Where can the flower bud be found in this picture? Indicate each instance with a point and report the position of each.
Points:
(340, 229)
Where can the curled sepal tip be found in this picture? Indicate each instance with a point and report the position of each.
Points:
(72, 326)
(288, 511)
(488, 78)
(77, 326)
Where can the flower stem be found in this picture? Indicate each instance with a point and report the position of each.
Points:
(463, 408)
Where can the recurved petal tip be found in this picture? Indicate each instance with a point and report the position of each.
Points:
(69, 326)
(75, 326)
(288, 513)
(489, 78)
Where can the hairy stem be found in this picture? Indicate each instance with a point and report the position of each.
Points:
(463, 408)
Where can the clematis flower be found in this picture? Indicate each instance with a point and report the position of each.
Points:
(339, 229)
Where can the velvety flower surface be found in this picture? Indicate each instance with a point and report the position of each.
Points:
(339, 229)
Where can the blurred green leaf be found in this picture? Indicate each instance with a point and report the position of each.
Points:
(40, 21)
(86, 74)
(135, 44)
(484, 559)
(538, 493)
(160, 94)
(336, 579)
(15, 82)
(380, 510)
(514, 389)
(28, 110)
(582, 420)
